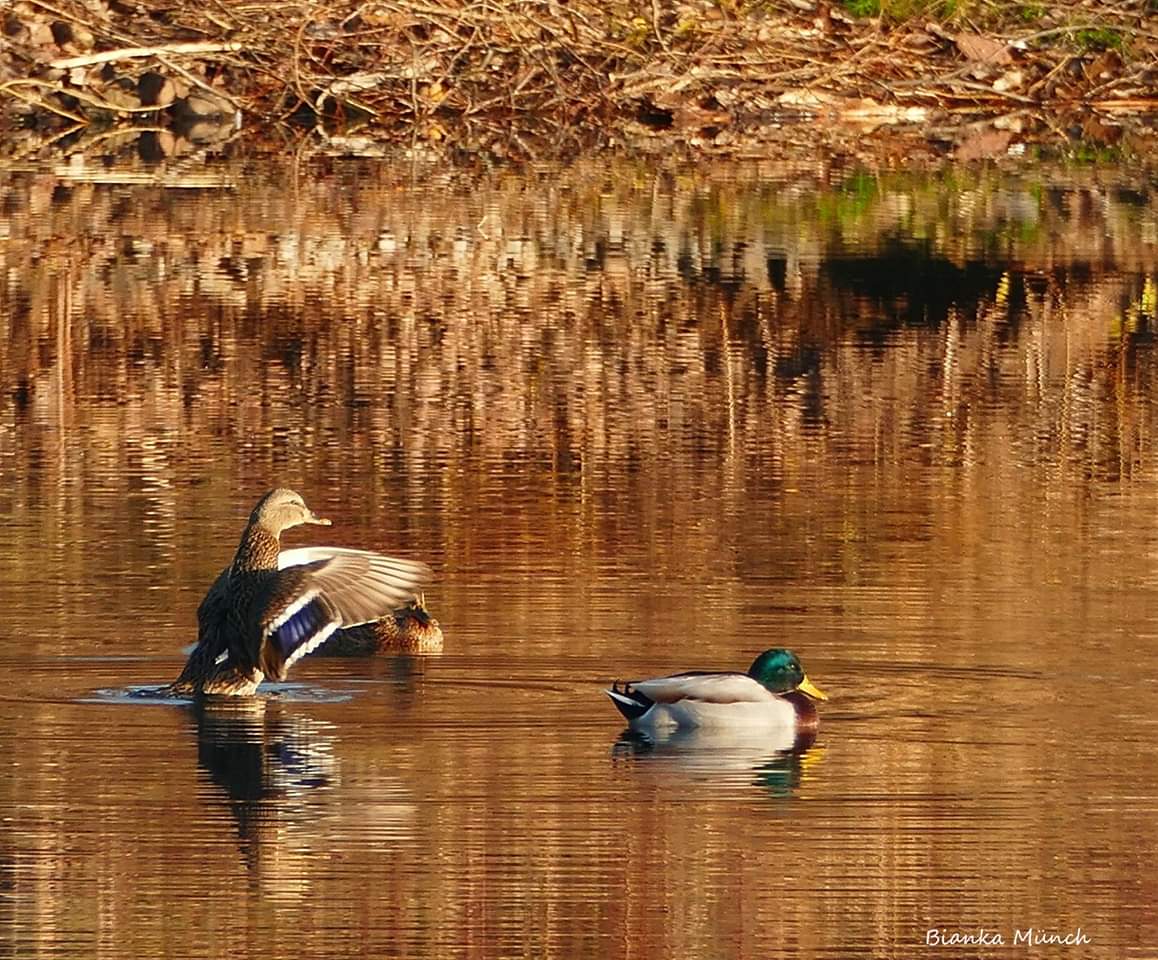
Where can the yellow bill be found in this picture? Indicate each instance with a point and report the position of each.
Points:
(806, 686)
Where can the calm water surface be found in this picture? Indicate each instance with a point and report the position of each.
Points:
(640, 419)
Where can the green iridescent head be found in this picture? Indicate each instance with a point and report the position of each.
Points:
(780, 672)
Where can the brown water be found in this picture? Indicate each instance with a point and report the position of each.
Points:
(640, 419)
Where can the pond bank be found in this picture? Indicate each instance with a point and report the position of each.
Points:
(534, 79)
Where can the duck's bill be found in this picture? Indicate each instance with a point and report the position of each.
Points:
(320, 521)
(808, 688)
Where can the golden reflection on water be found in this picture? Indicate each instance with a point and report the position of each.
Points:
(639, 419)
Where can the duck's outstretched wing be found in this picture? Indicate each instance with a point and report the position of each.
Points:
(413, 571)
(319, 589)
(706, 687)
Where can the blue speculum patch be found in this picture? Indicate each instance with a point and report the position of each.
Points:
(301, 627)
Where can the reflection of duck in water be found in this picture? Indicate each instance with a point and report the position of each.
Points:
(776, 759)
(271, 607)
(275, 768)
(775, 693)
(279, 771)
(256, 751)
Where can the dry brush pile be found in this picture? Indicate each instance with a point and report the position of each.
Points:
(477, 73)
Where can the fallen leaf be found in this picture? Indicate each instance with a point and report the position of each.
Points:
(1009, 121)
(864, 114)
(1107, 66)
(354, 83)
(1008, 81)
(983, 49)
(40, 34)
(807, 99)
(984, 144)
(868, 114)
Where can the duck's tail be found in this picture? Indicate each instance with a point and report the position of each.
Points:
(628, 701)
(415, 610)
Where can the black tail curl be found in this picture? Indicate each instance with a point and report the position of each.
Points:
(629, 701)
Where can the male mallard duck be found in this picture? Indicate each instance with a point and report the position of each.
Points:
(775, 692)
(268, 609)
(409, 629)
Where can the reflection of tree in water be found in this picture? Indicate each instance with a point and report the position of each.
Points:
(275, 767)
(616, 339)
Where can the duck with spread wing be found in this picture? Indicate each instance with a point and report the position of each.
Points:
(270, 607)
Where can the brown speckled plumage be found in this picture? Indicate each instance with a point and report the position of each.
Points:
(258, 618)
(409, 629)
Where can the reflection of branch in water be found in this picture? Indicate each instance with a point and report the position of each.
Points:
(774, 760)
(274, 767)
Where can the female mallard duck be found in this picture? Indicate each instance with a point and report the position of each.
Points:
(775, 692)
(268, 609)
(409, 629)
